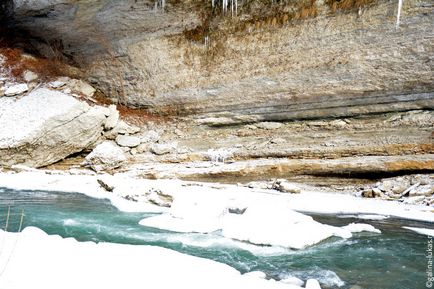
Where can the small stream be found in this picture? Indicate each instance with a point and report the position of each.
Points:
(395, 259)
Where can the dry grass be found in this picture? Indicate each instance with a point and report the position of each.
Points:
(17, 62)
(140, 116)
(347, 5)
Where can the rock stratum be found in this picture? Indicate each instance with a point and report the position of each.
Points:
(316, 89)
(282, 61)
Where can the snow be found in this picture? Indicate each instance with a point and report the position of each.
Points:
(423, 231)
(357, 228)
(223, 196)
(51, 262)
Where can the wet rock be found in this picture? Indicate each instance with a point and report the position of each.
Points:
(105, 156)
(128, 141)
(46, 126)
(112, 119)
(106, 184)
(30, 76)
(16, 89)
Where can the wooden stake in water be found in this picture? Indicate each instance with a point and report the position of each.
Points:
(21, 221)
(7, 219)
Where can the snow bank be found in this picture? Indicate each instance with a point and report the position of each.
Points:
(51, 262)
(423, 231)
(261, 221)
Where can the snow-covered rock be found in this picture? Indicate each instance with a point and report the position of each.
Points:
(105, 156)
(46, 126)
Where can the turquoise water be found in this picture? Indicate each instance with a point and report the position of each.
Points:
(395, 259)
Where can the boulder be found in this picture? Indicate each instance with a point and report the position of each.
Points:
(105, 156)
(162, 149)
(113, 117)
(46, 126)
(128, 141)
(151, 136)
(121, 128)
(82, 87)
(16, 89)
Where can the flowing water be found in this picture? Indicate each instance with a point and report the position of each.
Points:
(394, 259)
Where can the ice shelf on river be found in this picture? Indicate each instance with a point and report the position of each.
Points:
(52, 262)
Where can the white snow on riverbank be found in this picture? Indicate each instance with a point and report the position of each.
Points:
(51, 262)
(423, 231)
(309, 202)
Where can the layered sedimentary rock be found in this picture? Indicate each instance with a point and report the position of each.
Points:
(46, 126)
(280, 66)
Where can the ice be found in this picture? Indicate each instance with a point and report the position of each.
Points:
(357, 228)
(423, 231)
(49, 261)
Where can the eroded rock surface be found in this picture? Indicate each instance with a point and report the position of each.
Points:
(46, 126)
(258, 67)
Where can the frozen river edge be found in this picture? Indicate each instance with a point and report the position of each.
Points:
(184, 194)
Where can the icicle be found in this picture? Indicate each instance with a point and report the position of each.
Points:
(212, 3)
(399, 13)
(236, 7)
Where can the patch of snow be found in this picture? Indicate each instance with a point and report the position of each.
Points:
(423, 231)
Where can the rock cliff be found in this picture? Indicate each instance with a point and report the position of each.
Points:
(281, 61)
